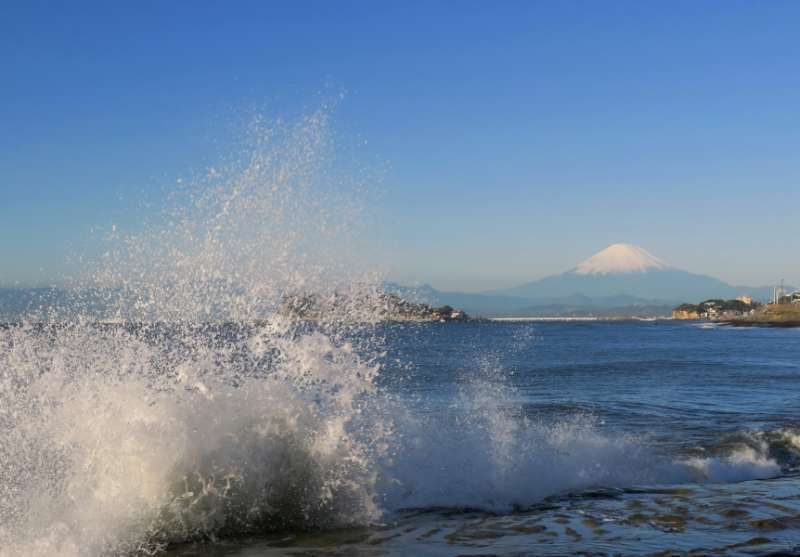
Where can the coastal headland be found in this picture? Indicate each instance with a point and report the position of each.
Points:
(744, 312)
(771, 315)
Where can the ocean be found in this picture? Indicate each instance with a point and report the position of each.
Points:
(478, 438)
(554, 438)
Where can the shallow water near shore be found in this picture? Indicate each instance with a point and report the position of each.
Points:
(754, 518)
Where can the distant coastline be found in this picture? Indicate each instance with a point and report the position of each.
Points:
(559, 318)
(783, 311)
(771, 315)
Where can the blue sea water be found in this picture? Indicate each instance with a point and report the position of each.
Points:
(481, 438)
(606, 437)
(681, 384)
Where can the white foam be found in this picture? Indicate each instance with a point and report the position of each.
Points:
(743, 464)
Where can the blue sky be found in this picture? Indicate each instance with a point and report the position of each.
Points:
(514, 138)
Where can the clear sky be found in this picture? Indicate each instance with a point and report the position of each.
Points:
(520, 137)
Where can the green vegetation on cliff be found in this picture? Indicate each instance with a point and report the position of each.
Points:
(714, 309)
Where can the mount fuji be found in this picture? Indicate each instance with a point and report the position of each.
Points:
(626, 270)
(621, 280)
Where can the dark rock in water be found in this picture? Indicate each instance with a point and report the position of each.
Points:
(381, 305)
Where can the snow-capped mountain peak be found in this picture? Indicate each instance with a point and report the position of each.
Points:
(620, 258)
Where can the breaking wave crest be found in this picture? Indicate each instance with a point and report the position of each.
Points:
(121, 454)
(202, 409)
(205, 410)
(487, 453)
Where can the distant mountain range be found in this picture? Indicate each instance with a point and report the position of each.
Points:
(621, 280)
